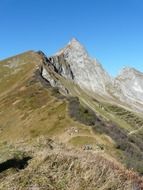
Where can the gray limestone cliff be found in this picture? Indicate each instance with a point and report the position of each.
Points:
(74, 63)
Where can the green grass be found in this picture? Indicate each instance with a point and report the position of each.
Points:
(34, 111)
(13, 71)
(82, 140)
(131, 118)
(97, 106)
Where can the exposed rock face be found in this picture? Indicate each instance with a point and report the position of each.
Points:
(88, 73)
(51, 68)
(74, 64)
(129, 86)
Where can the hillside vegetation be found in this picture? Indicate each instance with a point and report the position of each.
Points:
(73, 142)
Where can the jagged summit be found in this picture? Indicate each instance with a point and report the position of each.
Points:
(73, 48)
(129, 71)
(76, 44)
(74, 41)
(86, 72)
(129, 86)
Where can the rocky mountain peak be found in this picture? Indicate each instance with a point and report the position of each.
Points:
(73, 49)
(129, 72)
(74, 41)
(75, 44)
(129, 86)
(74, 63)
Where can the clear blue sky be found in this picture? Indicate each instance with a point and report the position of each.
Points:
(111, 30)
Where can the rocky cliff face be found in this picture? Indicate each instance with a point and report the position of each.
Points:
(129, 86)
(74, 64)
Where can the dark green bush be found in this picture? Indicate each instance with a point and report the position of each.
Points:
(81, 113)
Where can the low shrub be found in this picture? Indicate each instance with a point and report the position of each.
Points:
(81, 113)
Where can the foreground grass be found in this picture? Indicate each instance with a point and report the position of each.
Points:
(53, 166)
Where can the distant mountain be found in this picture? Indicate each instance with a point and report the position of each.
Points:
(129, 87)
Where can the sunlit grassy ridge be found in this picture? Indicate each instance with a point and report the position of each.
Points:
(15, 70)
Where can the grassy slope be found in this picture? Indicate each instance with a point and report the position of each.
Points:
(28, 110)
(122, 125)
(35, 111)
(15, 70)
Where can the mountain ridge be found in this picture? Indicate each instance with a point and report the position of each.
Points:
(37, 112)
(74, 63)
(91, 76)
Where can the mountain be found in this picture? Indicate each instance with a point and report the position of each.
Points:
(129, 87)
(87, 73)
(74, 64)
(66, 124)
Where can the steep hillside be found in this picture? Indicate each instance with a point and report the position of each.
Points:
(48, 117)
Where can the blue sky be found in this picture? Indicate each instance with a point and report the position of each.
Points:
(111, 30)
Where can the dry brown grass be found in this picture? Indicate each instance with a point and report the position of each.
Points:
(57, 168)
